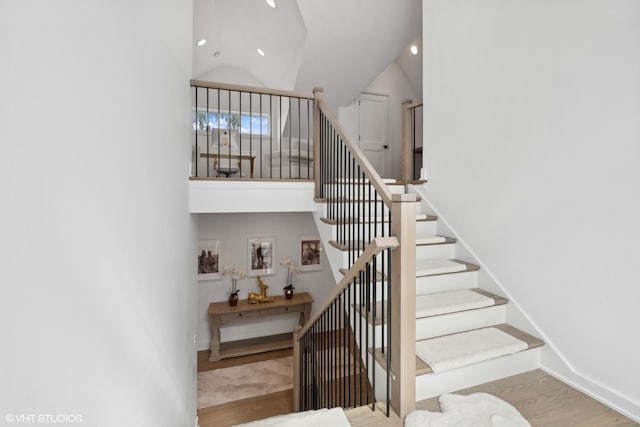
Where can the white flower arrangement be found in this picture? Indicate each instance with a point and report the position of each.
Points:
(236, 274)
(291, 270)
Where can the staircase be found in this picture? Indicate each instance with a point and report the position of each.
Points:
(454, 314)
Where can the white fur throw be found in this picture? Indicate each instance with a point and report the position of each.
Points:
(474, 410)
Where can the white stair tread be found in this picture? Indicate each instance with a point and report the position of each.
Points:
(428, 239)
(466, 348)
(427, 267)
(450, 302)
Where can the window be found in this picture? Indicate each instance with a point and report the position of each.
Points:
(254, 124)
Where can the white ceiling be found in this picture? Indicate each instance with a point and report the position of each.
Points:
(340, 45)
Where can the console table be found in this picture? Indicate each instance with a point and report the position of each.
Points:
(217, 158)
(221, 313)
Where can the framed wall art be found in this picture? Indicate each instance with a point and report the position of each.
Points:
(310, 258)
(261, 256)
(209, 260)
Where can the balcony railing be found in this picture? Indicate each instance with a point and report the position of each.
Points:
(412, 140)
(243, 132)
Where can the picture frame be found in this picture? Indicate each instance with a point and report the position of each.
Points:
(208, 260)
(310, 253)
(261, 256)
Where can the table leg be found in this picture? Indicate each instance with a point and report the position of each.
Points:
(214, 324)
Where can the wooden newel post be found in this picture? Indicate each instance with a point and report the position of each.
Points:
(406, 161)
(318, 94)
(296, 368)
(403, 304)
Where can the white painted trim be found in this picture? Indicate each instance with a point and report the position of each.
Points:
(564, 369)
(451, 323)
(229, 196)
(604, 394)
(203, 344)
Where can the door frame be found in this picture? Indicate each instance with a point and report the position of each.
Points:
(389, 154)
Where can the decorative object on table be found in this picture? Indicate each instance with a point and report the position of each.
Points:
(209, 259)
(261, 256)
(288, 291)
(255, 298)
(310, 253)
(236, 274)
(291, 270)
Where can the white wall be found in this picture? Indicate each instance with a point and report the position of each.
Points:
(234, 230)
(98, 291)
(394, 83)
(532, 147)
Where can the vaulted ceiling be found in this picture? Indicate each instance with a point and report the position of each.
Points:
(340, 45)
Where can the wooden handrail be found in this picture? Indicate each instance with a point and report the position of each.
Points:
(249, 89)
(357, 154)
(376, 246)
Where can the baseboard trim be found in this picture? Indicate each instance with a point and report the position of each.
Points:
(592, 388)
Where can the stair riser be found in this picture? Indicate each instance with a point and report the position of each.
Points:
(451, 323)
(434, 326)
(378, 292)
(426, 227)
(378, 230)
(356, 210)
(440, 251)
(342, 190)
(432, 385)
(345, 258)
(446, 282)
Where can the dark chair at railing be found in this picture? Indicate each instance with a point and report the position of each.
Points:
(226, 169)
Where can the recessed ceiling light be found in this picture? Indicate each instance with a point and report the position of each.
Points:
(201, 42)
(272, 3)
(414, 49)
(260, 51)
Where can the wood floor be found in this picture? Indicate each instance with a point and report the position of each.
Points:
(542, 399)
(545, 402)
(245, 410)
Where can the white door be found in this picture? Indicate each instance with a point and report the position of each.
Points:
(373, 132)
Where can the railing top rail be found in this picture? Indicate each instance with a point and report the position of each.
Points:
(364, 163)
(376, 246)
(249, 89)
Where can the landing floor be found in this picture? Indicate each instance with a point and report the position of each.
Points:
(542, 399)
(546, 402)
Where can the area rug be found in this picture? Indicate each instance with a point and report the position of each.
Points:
(474, 410)
(463, 349)
(241, 382)
(429, 267)
(450, 302)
